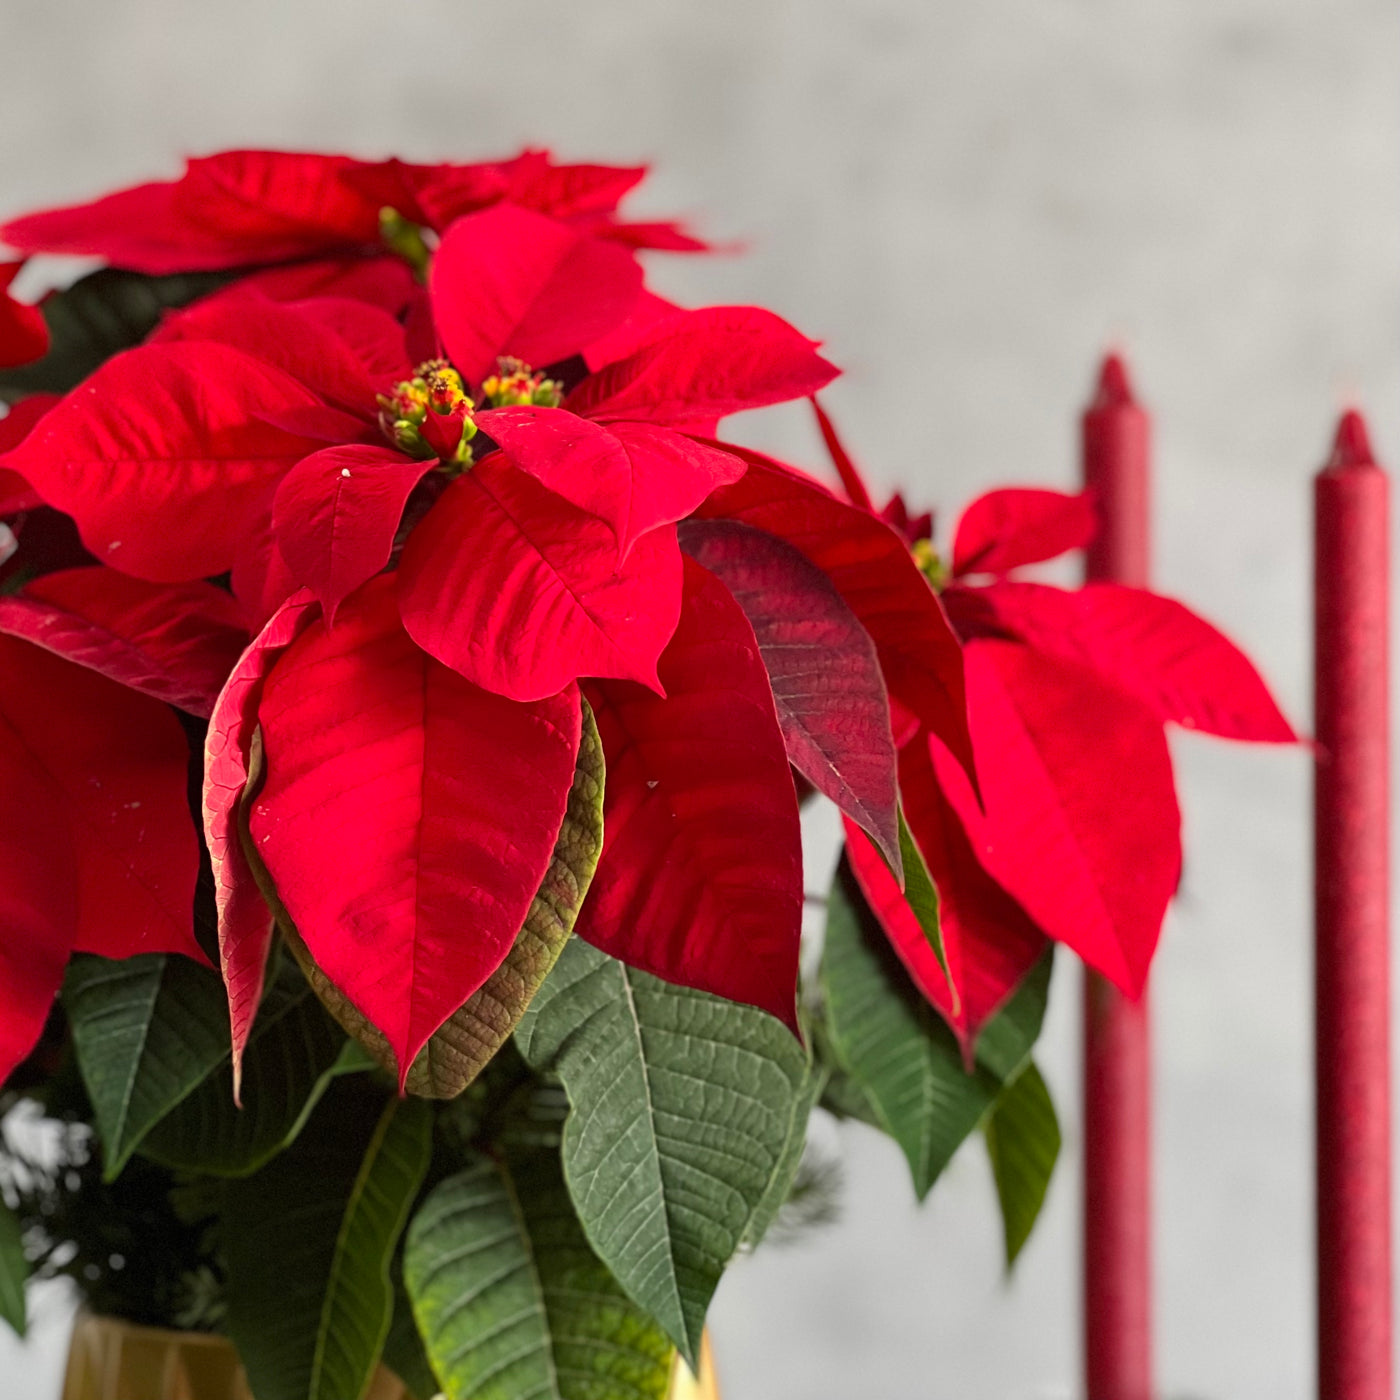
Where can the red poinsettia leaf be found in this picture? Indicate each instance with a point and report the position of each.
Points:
(16, 493)
(1005, 529)
(38, 898)
(508, 281)
(874, 572)
(563, 191)
(408, 816)
(121, 761)
(164, 455)
(988, 939)
(700, 366)
(522, 593)
(700, 880)
(827, 686)
(665, 236)
(282, 334)
(245, 921)
(272, 205)
(1081, 825)
(137, 228)
(374, 335)
(1176, 663)
(431, 195)
(261, 578)
(174, 642)
(336, 513)
(633, 476)
(851, 481)
(631, 334)
(384, 282)
(24, 335)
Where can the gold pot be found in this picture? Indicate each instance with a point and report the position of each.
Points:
(113, 1360)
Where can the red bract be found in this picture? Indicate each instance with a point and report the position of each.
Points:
(700, 880)
(23, 334)
(509, 282)
(872, 570)
(99, 853)
(239, 208)
(522, 593)
(245, 921)
(1080, 823)
(335, 514)
(165, 454)
(1074, 834)
(1007, 529)
(633, 477)
(173, 642)
(822, 666)
(372, 746)
(1176, 663)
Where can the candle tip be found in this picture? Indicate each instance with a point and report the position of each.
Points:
(1352, 445)
(1115, 388)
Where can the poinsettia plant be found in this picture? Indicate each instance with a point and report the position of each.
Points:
(406, 690)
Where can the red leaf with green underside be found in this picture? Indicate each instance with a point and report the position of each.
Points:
(522, 593)
(1081, 825)
(873, 571)
(632, 476)
(174, 642)
(1176, 663)
(1006, 529)
(120, 761)
(988, 939)
(697, 367)
(700, 880)
(408, 816)
(245, 921)
(38, 898)
(335, 515)
(507, 281)
(282, 334)
(165, 456)
(827, 686)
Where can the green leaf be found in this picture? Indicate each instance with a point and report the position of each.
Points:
(681, 1113)
(148, 1030)
(922, 899)
(462, 1045)
(97, 316)
(1023, 1142)
(359, 1300)
(403, 1351)
(294, 1051)
(512, 1302)
(897, 1051)
(308, 1243)
(14, 1270)
(1005, 1043)
(781, 1183)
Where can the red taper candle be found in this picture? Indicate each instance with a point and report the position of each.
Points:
(1117, 1031)
(1352, 927)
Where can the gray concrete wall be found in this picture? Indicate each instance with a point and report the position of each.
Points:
(966, 202)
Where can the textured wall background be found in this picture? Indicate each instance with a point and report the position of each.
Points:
(966, 203)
